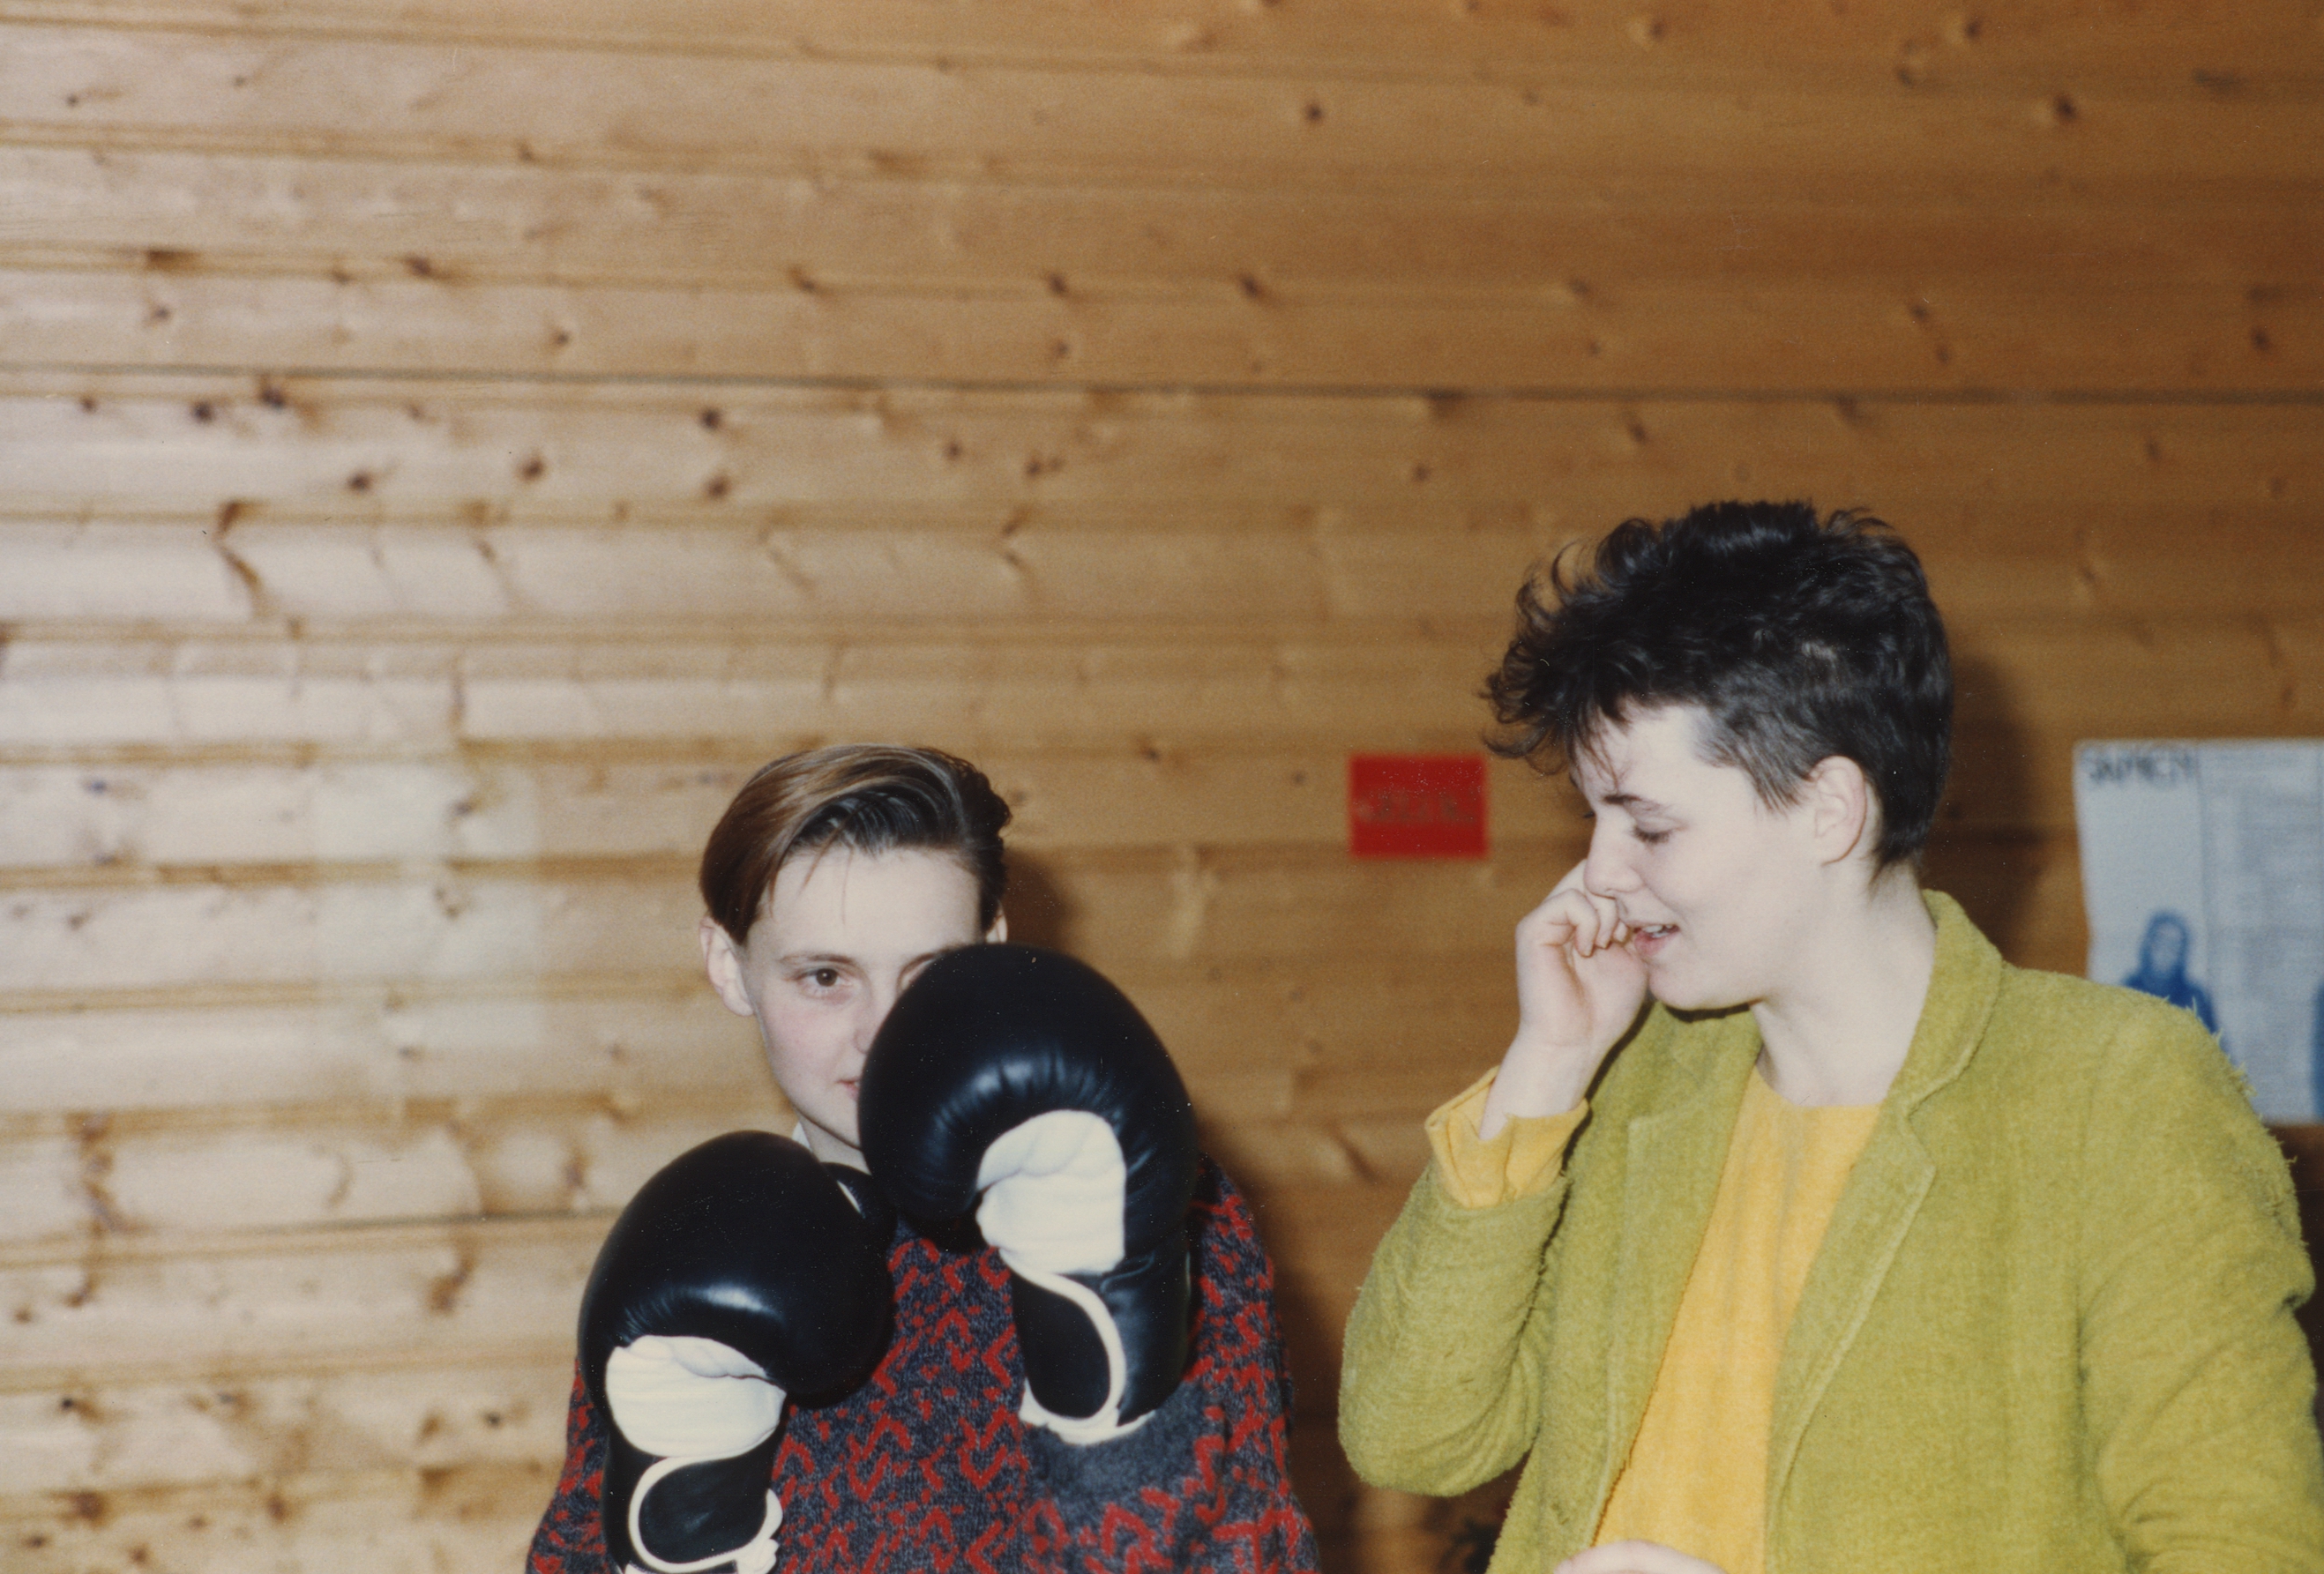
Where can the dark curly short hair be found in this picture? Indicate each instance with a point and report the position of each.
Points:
(1800, 638)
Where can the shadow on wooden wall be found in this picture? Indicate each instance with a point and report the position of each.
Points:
(1985, 836)
(1038, 912)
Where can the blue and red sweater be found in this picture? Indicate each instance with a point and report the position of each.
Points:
(926, 1467)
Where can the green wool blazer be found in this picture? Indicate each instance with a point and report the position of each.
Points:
(2050, 1328)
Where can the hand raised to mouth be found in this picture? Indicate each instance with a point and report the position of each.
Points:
(1581, 983)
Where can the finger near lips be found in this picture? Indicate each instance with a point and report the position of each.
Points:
(1605, 930)
(1575, 916)
(1586, 930)
(1564, 920)
(1609, 919)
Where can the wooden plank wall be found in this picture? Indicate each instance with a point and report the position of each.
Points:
(444, 445)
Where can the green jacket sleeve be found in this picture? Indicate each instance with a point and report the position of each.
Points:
(1440, 1388)
(2197, 1382)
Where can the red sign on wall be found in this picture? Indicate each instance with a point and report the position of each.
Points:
(1416, 806)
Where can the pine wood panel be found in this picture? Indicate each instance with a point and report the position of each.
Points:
(174, 1433)
(300, 1300)
(622, 1042)
(396, 1520)
(455, 927)
(979, 567)
(932, 565)
(486, 451)
(1912, 335)
(173, 214)
(131, 816)
(2250, 677)
(308, 1167)
(137, 822)
(2247, 48)
(479, 101)
(1158, 691)
(125, 822)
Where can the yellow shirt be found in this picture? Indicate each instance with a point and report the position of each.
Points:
(1697, 1474)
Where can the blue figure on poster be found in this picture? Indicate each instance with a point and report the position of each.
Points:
(2316, 1051)
(2161, 969)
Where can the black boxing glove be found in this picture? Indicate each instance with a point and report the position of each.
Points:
(1024, 1077)
(742, 1272)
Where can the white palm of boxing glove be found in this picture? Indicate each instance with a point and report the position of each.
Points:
(688, 1400)
(1021, 1086)
(1053, 1192)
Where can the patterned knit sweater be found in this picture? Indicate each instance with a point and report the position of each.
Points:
(926, 1467)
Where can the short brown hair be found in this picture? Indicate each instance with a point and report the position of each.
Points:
(871, 797)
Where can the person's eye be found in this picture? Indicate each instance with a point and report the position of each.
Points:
(821, 980)
(1651, 838)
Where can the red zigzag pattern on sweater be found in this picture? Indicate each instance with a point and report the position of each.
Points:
(925, 1468)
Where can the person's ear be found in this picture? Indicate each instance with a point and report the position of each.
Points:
(724, 964)
(1838, 802)
(1000, 930)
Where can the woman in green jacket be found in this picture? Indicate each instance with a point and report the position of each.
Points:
(1795, 1229)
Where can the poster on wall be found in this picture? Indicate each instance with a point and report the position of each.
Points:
(2203, 876)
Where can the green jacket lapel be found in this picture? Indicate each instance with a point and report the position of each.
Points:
(1670, 1179)
(1885, 1190)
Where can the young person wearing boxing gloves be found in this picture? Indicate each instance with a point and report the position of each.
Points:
(835, 880)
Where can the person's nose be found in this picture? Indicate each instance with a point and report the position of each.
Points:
(1608, 871)
(877, 1000)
